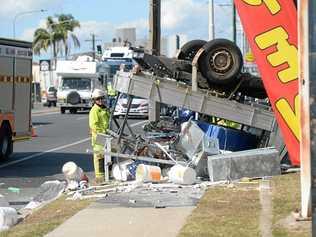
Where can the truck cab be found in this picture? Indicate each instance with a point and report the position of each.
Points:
(77, 80)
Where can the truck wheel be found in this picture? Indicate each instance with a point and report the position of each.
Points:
(221, 62)
(73, 111)
(62, 110)
(189, 49)
(6, 142)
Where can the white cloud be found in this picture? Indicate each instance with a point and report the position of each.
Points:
(17, 6)
(28, 33)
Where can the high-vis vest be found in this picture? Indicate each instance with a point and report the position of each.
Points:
(98, 123)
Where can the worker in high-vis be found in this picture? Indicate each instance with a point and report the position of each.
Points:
(111, 92)
(99, 123)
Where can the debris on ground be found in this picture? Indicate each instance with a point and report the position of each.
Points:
(8, 218)
(48, 191)
(74, 176)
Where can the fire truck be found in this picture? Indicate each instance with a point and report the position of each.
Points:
(15, 93)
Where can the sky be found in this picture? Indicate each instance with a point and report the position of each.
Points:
(102, 17)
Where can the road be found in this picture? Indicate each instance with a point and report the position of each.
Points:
(61, 138)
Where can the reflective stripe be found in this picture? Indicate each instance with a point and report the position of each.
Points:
(9, 117)
(6, 78)
(18, 79)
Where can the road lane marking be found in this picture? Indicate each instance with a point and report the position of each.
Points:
(44, 152)
(138, 123)
(44, 114)
(81, 118)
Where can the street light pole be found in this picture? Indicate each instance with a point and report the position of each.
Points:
(24, 13)
(211, 27)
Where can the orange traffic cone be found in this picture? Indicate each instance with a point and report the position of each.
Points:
(34, 132)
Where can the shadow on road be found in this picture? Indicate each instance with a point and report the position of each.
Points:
(48, 164)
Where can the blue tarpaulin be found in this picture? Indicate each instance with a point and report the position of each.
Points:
(229, 139)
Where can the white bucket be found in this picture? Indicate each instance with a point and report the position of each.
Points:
(179, 174)
(120, 171)
(8, 217)
(72, 171)
(148, 173)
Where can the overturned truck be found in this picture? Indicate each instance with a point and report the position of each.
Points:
(218, 64)
(206, 77)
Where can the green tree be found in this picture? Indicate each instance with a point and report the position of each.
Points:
(68, 25)
(57, 35)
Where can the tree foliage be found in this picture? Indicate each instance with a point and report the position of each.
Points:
(58, 34)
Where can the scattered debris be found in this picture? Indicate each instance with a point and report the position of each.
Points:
(48, 191)
(182, 175)
(148, 173)
(74, 176)
(8, 217)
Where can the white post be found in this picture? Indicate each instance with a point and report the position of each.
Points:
(304, 89)
(107, 158)
(211, 28)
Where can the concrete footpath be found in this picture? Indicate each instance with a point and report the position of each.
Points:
(100, 220)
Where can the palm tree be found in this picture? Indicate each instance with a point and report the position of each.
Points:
(68, 25)
(56, 35)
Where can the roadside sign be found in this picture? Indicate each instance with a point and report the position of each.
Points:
(271, 29)
(44, 65)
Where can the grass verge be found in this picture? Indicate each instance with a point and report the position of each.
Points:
(235, 211)
(46, 219)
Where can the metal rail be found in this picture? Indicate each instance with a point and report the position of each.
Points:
(168, 91)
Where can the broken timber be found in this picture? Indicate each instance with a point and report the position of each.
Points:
(170, 92)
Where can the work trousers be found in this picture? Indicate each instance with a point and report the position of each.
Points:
(98, 161)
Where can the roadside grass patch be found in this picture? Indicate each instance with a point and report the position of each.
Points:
(46, 219)
(226, 212)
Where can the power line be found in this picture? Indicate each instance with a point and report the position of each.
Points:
(93, 40)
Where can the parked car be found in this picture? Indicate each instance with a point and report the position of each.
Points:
(139, 106)
(50, 97)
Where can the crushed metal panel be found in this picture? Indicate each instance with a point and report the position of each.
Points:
(251, 163)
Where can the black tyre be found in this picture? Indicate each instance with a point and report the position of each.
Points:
(73, 98)
(189, 49)
(73, 111)
(221, 62)
(62, 110)
(6, 142)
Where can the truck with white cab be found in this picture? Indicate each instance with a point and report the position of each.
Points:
(77, 80)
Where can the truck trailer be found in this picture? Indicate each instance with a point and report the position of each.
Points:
(15, 93)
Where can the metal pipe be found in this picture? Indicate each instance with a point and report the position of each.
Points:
(121, 130)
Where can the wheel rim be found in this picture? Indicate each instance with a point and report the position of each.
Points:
(221, 61)
(5, 146)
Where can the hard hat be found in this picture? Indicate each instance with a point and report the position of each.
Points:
(97, 93)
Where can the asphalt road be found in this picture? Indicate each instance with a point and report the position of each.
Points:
(61, 138)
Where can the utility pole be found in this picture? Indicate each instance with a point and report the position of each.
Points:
(234, 22)
(211, 26)
(93, 40)
(154, 26)
(154, 44)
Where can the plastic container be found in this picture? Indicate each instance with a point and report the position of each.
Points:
(148, 173)
(179, 174)
(8, 217)
(121, 171)
(72, 171)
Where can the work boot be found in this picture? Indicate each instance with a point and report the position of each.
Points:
(99, 181)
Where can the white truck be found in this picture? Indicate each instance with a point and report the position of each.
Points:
(15, 93)
(77, 80)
